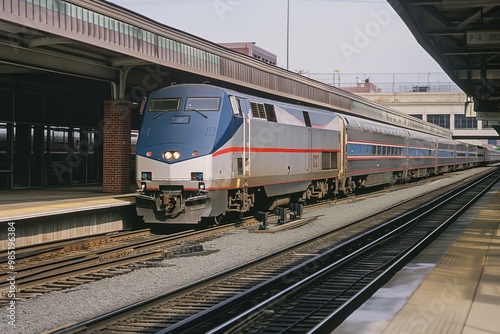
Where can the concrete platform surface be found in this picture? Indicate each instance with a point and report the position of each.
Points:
(21, 204)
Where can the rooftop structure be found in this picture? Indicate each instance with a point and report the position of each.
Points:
(250, 49)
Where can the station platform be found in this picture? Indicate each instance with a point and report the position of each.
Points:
(51, 214)
(453, 286)
(20, 204)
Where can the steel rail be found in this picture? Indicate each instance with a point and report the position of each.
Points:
(60, 245)
(146, 304)
(33, 277)
(334, 319)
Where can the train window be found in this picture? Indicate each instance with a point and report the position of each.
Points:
(333, 160)
(164, 104)
(270, 113)
(307, 119)
(328, 160)
(374, 150)
(202, 103)
(355, 149)
(236, 103)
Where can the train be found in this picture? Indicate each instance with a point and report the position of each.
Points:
(205, 151)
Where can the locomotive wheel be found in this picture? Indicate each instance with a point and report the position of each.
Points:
(217, 220)
(211, 221)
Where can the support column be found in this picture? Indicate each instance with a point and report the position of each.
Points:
(116, 147)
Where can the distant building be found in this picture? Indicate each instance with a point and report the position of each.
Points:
(250, 49)
(363, 87)
(446, 109)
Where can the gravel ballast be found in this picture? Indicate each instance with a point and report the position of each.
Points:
(62, 307)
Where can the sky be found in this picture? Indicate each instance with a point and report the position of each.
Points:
(324, 36)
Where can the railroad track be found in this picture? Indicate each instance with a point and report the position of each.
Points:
(262, 296)
(66, 265)
(25, 252)
(319, 302)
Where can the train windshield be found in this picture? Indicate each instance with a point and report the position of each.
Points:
(202, 103)
(162, 105)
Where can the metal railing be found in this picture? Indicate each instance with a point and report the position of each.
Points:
(387, 82)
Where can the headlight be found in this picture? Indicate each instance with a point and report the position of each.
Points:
(171, 155)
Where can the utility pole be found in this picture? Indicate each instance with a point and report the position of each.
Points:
(287, 34)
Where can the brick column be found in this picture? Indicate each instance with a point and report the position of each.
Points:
(116, 147)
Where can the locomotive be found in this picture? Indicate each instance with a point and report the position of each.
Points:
(205, 151)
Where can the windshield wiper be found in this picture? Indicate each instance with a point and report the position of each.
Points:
(199, 112)
(164, 111)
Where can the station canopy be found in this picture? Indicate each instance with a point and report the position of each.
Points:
(463, 36)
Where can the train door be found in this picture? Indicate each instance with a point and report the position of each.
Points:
(241, 159)
(309, 154)
(342, 162)
(407, 156)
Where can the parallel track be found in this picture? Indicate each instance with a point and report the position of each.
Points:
(70, 264)
(67, 264)
(321, 301)
(230, 296)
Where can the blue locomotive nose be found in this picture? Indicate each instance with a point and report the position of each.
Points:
(181, 124)
(177, 127)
